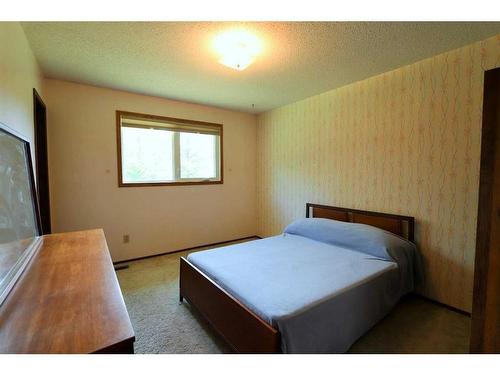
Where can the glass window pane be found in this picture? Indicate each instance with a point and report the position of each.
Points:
(147, 155)
(197, 155)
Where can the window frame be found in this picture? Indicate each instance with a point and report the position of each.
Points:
(142, 116)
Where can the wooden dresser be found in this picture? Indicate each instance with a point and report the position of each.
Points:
(68, 300)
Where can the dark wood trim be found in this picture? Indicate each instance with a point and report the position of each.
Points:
(448, 307)
(485, 325)
(243, 330)
(41, 160)
(119, 147)
(167, 119)
(119, 114)
(351, 212)
(187, 249)
(176, 183)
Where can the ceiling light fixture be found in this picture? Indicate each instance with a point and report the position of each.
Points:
(237, 49)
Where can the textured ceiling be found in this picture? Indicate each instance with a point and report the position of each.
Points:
(299, 59)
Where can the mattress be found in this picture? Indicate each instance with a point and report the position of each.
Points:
(320, 297)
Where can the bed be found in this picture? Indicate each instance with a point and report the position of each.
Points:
(316, 288)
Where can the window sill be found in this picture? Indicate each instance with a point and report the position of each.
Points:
(175, 183)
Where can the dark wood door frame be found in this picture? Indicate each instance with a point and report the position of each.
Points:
(42, 166)
(485, 329)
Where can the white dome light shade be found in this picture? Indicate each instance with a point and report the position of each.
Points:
(237, 49)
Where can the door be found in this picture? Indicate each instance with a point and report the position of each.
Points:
(485, 330)
(42, 166)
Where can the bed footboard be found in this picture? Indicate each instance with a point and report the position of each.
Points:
(240, 327)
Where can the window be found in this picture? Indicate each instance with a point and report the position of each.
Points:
(155, 150)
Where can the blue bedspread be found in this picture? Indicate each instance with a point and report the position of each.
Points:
(321, 297)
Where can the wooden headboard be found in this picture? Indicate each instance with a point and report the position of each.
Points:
(403, 226)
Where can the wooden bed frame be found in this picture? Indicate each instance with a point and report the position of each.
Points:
(243, 330)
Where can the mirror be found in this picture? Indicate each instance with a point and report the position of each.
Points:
(19, 217)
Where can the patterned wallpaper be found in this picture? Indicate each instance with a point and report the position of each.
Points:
(404, 142)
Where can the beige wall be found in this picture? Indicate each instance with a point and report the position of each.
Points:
(19, 74)
(83, 175)
(405, 142)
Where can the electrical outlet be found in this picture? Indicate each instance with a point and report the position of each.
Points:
(126, 238)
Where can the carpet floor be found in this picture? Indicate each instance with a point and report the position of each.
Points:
(162, 325)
